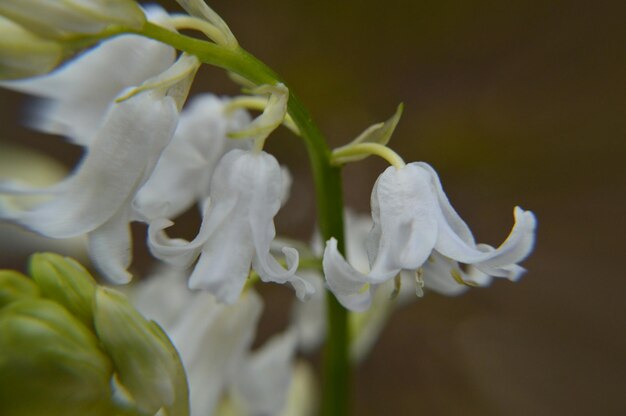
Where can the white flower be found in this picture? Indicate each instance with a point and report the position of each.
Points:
(236, 231)
(61, 19)
(412, 220)
(120, 101)
(96, 198)
(214, 341)
(76, 97)
(183, 174)
(309, 318)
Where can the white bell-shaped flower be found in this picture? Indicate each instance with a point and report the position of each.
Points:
(412, 219)
(96, 198)
(236, 231)
(183, 174)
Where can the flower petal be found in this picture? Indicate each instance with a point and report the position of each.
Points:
(517, 245)
(262, 382)
(76, 97)
(261, 175)
(181, 253)
(348, 285)
(514, 249)
(183, 173)
(224, 263)
(452, 219)
(130, 140)
(110, 247)
(163, 296)
(212, 340)
(437, 275)
(403, 210)
(358, 227)
(308, 318)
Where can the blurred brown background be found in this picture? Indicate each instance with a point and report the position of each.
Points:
(513, 102)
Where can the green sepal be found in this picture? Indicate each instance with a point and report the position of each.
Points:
(50, 363)
(146, 362)
(65, 281)
(14, 285)
(23, 54)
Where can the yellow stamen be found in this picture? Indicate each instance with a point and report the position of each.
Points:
(419, 282)
(456, 275)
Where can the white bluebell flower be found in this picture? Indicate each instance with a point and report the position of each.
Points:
(236, 232)
(96, 198)
(412, 220)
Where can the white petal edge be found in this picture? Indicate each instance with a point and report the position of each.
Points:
(262, 383)
(110, 247)
(515, 248)
(346, 283)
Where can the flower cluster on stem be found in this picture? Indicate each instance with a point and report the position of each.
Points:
(149, 156)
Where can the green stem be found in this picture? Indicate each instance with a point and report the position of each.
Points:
(328, 188)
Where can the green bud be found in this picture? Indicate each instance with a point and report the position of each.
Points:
(64, 19)
(14, 286)
(50, 363)
(146, 362)
(23, 54)
(65, 281)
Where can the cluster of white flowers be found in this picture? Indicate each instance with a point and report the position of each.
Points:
(149, 157)
(146, 161)
(416, 232)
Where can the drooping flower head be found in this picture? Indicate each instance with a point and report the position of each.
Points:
(237, 230)
(413, 220)
(96, 198)
(120, 101)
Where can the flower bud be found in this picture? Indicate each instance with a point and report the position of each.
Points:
(50, 363)
(65, 281)
(14, 286)
(64, 19)
(23, 54)
(146, 362)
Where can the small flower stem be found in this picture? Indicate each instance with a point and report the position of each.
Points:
(194, 23)
(328, 188)
(369, 149)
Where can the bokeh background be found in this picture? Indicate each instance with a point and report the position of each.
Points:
(514, 103)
